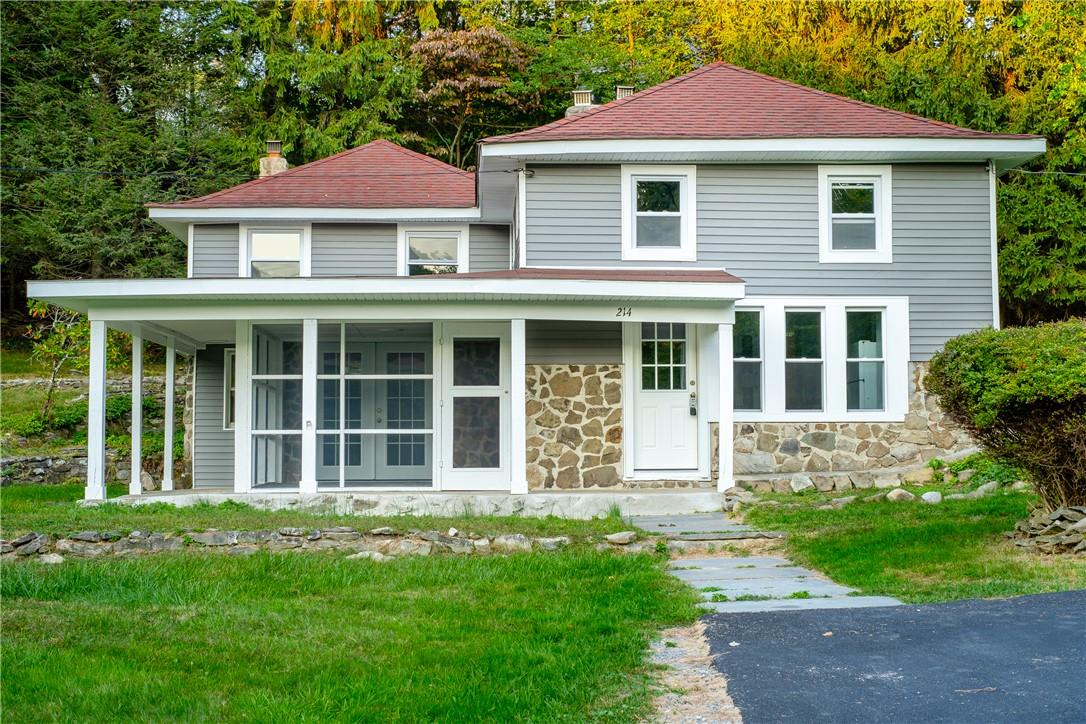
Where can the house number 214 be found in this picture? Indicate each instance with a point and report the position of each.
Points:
(624, 312)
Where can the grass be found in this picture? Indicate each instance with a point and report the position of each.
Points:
(923, 553)
(278, 637)
(52, 509)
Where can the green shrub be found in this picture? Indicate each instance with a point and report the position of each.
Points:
(69, 416)
(26, 425)
(1021, 392)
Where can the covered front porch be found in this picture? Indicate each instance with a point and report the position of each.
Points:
(311, 387)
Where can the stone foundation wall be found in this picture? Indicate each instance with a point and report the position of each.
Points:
(574, 426)
(854, 454)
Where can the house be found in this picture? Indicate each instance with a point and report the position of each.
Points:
(725, 261)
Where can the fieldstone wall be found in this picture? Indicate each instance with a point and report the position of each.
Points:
(841, 455)
(70, 463)
(574, 426)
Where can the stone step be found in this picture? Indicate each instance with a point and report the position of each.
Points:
(736, 535)
(800, 604)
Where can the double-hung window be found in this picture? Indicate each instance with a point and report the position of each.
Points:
(854, 208)
(803, 360)
(864, 362)
(275, 252)
(747, 366)
(658, 213)
(433, 251)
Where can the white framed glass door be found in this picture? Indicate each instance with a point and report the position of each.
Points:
(475, 406)
(374, 405)
(404, 403)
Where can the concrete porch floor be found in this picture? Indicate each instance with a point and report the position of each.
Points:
(581, 505)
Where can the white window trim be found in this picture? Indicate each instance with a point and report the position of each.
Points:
(883, 252)
(834, 348)
(229, 358)
(462, 231)
(760, 359)
(687, 249)
(306, 252)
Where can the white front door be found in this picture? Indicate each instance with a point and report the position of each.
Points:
(475, 406)
(665, 403)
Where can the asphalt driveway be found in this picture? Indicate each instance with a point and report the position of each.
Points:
(1008, 660)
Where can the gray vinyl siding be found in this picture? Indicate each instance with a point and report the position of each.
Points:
(215, 250)
(212, 447)
(353, 250)
(554, 342)
(761, 223)
(488, 247)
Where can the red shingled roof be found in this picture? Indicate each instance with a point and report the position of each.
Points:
(378, 175)
(728, 102)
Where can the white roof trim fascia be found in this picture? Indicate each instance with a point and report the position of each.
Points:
(284, 213)
(302, 289)
(981, 149)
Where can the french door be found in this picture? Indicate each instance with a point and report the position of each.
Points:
(375, 405)
(475, 406)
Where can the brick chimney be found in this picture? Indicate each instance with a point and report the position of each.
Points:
(274, 162)
(623, 91)
(582, 101)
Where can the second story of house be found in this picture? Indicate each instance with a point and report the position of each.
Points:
(800, 193)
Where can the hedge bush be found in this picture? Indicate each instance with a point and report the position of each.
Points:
(1021, 392)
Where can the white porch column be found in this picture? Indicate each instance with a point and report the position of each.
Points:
(135, 487)
(518, 458)
(167, 432)
(96, 414)
(308, 483)
(243, 386)
(726, 431)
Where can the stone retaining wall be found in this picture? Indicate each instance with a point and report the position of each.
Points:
(852, 454)
(376, 544)
(574, 426)
(68, 464)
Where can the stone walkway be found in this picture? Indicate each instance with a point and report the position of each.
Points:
(749, 583)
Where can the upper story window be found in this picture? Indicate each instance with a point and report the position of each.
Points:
(658, 213)
(275, 253)
(434, 250)
(854, 214)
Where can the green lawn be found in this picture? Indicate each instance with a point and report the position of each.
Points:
(315, 637)
(923, 553)
(52, 509)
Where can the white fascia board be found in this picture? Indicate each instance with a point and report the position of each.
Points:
(88, 291)
(262, 214)
(1016, 150)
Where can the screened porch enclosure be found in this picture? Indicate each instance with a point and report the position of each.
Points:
(374, 405)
